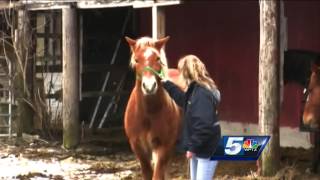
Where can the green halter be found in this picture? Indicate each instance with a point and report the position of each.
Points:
(160, 74)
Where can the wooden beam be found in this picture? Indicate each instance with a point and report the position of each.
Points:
(81, 47)
(283, 46)
(7, 4)
(158, 22)
(23, 80)
(134, 4)
(48, 68)
(4, 5)
(93, 4)
(70, 114)
(269, 90)
(104, 68)
(91, 94)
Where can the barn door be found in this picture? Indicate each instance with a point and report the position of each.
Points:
(105, 75)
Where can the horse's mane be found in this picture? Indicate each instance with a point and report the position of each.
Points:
(145, 42)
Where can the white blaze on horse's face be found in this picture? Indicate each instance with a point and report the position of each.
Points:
(148, 81)
(148, 53)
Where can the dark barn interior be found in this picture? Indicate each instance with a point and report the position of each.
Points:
(105, 59)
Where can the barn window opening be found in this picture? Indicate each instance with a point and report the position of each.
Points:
(48, 41)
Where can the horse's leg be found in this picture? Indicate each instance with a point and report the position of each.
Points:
(162, 161)
(144, 157)
(316, 151)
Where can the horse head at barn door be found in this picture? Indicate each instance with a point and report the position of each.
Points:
(152, 119)
(311, 113)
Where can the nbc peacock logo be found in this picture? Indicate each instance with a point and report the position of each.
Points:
(250, 145)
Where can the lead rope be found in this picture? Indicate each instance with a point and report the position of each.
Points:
(160, 74)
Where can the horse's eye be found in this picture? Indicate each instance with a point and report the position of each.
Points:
(159, 60)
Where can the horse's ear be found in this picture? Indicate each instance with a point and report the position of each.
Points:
(161, 42)
(130, 41)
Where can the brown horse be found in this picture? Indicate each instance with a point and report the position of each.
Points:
(311, 113)
(152, 119)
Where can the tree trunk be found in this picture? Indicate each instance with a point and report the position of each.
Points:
(23, 79)
(269, 91)
(70, 115)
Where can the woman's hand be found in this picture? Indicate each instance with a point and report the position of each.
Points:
(175, 76)
(189, 154)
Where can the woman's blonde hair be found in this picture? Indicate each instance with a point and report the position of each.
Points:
(193, 69)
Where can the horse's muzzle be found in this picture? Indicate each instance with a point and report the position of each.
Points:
(149, 86)
(310, 121)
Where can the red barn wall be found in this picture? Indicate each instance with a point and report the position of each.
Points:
(225, 35)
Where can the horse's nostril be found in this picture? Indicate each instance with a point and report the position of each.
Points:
(144, 85)
(153, 86)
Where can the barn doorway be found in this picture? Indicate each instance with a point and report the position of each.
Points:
(106, 79)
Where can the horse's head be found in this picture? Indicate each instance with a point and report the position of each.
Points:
(148, 61)
(311, 113)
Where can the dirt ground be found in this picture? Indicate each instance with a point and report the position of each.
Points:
(107, 156)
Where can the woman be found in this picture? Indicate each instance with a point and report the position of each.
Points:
(200, 130)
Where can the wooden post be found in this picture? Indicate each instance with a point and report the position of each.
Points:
(158, 22)
(269, 91)
(70, 114)
(24, 73)
(283, 47)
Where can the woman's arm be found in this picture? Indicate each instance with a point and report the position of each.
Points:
(175, 92)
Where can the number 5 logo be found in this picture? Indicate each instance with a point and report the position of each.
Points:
(233, 145)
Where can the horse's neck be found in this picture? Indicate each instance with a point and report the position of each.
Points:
(152, 103)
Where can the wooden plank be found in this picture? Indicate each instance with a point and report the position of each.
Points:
(94, 4)
(23, 80)
(81, 47)
(283, 47)
(48, 57)
(103, 68)
(4, 5)
(91, 94)
(269, 90)
(49, 35)
(134, 4)
(158, 22)
(48, 69)
(70, 102)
